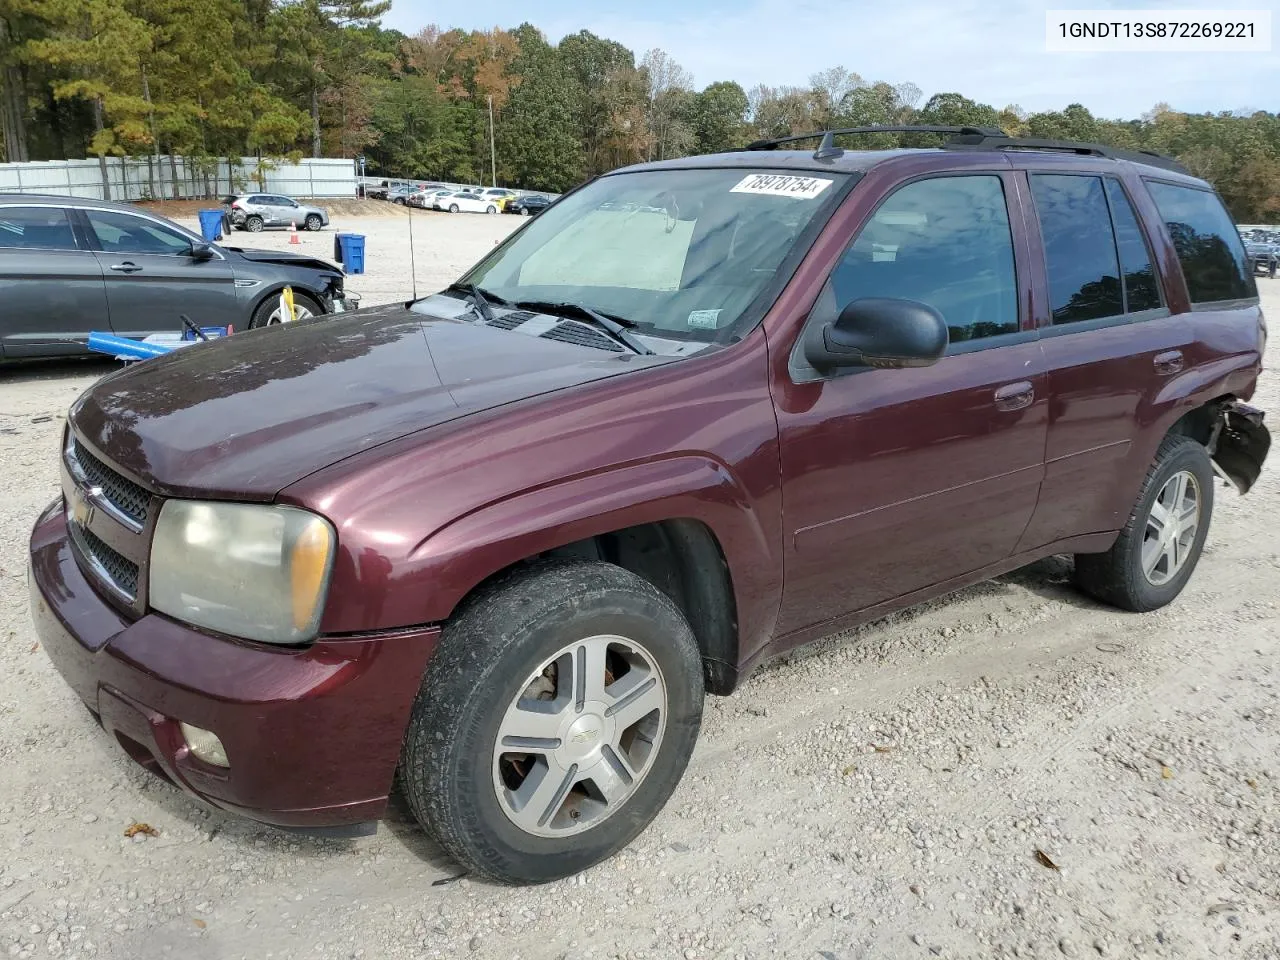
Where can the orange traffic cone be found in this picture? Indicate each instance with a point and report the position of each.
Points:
(293, 232)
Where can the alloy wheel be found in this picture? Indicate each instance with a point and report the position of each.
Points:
(1171, 528)
(580, 737)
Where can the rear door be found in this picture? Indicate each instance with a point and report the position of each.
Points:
(151, 277)
(284, 210)
(898, 480)
(52, 292)
(1112, 343)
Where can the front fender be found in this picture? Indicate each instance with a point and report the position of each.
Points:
(455, 559)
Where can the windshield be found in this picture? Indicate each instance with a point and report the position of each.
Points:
(679, 253)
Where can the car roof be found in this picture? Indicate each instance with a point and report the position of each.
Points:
(860, 161)
(51, 200)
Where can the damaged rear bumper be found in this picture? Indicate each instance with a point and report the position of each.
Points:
(1239, 444)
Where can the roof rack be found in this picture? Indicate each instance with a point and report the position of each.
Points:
(1001, 141)
(977, 138)
(828, 150)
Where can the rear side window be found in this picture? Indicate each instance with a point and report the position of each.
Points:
(1209, 248)
(1140, 290)
(945, 242)
(35, 228)
(1080, 248)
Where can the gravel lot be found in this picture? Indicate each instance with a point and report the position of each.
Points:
(884, 794)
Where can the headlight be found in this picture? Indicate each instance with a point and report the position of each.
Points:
(257, 572)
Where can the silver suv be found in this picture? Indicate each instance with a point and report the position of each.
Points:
(256, 211)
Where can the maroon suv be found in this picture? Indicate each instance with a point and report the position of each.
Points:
(501, 540)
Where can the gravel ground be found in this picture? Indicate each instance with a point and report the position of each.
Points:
(1014, 771)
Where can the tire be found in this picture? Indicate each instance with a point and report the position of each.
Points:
(398, 201)
(491, 209)
(1119, 576)
(500, 646)
(264, 315)
(313, 222)
(253, 224)
(453, 208)
(524, 211)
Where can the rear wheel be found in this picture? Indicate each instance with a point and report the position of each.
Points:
(491, 209)
(1156, 552)
(313, 222)
(453, 208)
(555, 720)
(268, 313)
(253, 224)
(524, 211)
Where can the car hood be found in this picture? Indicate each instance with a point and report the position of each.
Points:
(284, 258)
(245, 416)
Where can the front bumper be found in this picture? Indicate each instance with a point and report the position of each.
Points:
(313, 734)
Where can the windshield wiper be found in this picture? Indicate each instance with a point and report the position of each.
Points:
(478, 297)
(611, 323)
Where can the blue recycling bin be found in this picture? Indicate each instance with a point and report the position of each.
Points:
(211, 225)
(351, 251)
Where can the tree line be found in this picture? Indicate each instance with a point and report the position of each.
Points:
(210, 79)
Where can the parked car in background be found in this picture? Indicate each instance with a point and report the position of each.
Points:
(257, 211)
(1264, 255)
(528, 206)
(258, 601)
(499, 194)
(426, 197)
(399, 194)
(69, 266)
(464, 202)
(379, 190)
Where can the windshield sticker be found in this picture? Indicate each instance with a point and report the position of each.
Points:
(704, 319)
(781, 185)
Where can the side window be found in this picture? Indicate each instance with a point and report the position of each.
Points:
(35, 228)
(1209, 248)
(122, 233)
(283, 202)
(258, 200)
(945, 242)
(1140, 290)
(1080, 248)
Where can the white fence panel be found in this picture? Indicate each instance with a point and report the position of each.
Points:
(141, 178)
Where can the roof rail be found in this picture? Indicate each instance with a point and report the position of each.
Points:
(828, 150)
(1079, 147)
(977, 138)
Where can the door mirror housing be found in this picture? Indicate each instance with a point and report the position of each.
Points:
(201, 250)
(880, 332)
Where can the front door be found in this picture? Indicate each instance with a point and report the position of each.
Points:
(896, 480)
(152, 278)
(51, 288)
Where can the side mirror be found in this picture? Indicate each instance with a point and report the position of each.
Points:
(879, 332)
(201, 250)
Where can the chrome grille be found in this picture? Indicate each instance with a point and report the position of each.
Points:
(117, 570)
(122, 493)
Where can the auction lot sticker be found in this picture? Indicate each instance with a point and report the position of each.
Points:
(782, 185)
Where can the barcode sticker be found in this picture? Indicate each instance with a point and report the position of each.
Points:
(782, 185)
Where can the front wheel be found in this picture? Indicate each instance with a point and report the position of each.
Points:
(269, 311)
(491, 209)
(313, 222)
(453, 208)
(1156, 552)
(554, 722)
(524, 211)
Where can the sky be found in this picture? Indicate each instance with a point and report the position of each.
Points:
(991, 51)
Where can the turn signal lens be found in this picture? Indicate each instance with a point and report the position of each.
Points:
(308, 572)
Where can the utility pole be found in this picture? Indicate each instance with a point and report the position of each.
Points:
(493, 152)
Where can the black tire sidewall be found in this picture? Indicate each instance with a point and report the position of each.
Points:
(459, 777)
(249, 225)
(312, 222)
(1193, 458)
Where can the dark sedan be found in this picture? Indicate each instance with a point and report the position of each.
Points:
(529, 206)
(69, 266)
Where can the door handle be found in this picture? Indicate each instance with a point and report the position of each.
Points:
(127, 267)
(1015, 396)
(1168, 362)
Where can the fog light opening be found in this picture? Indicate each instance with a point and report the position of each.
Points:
(205, 745)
